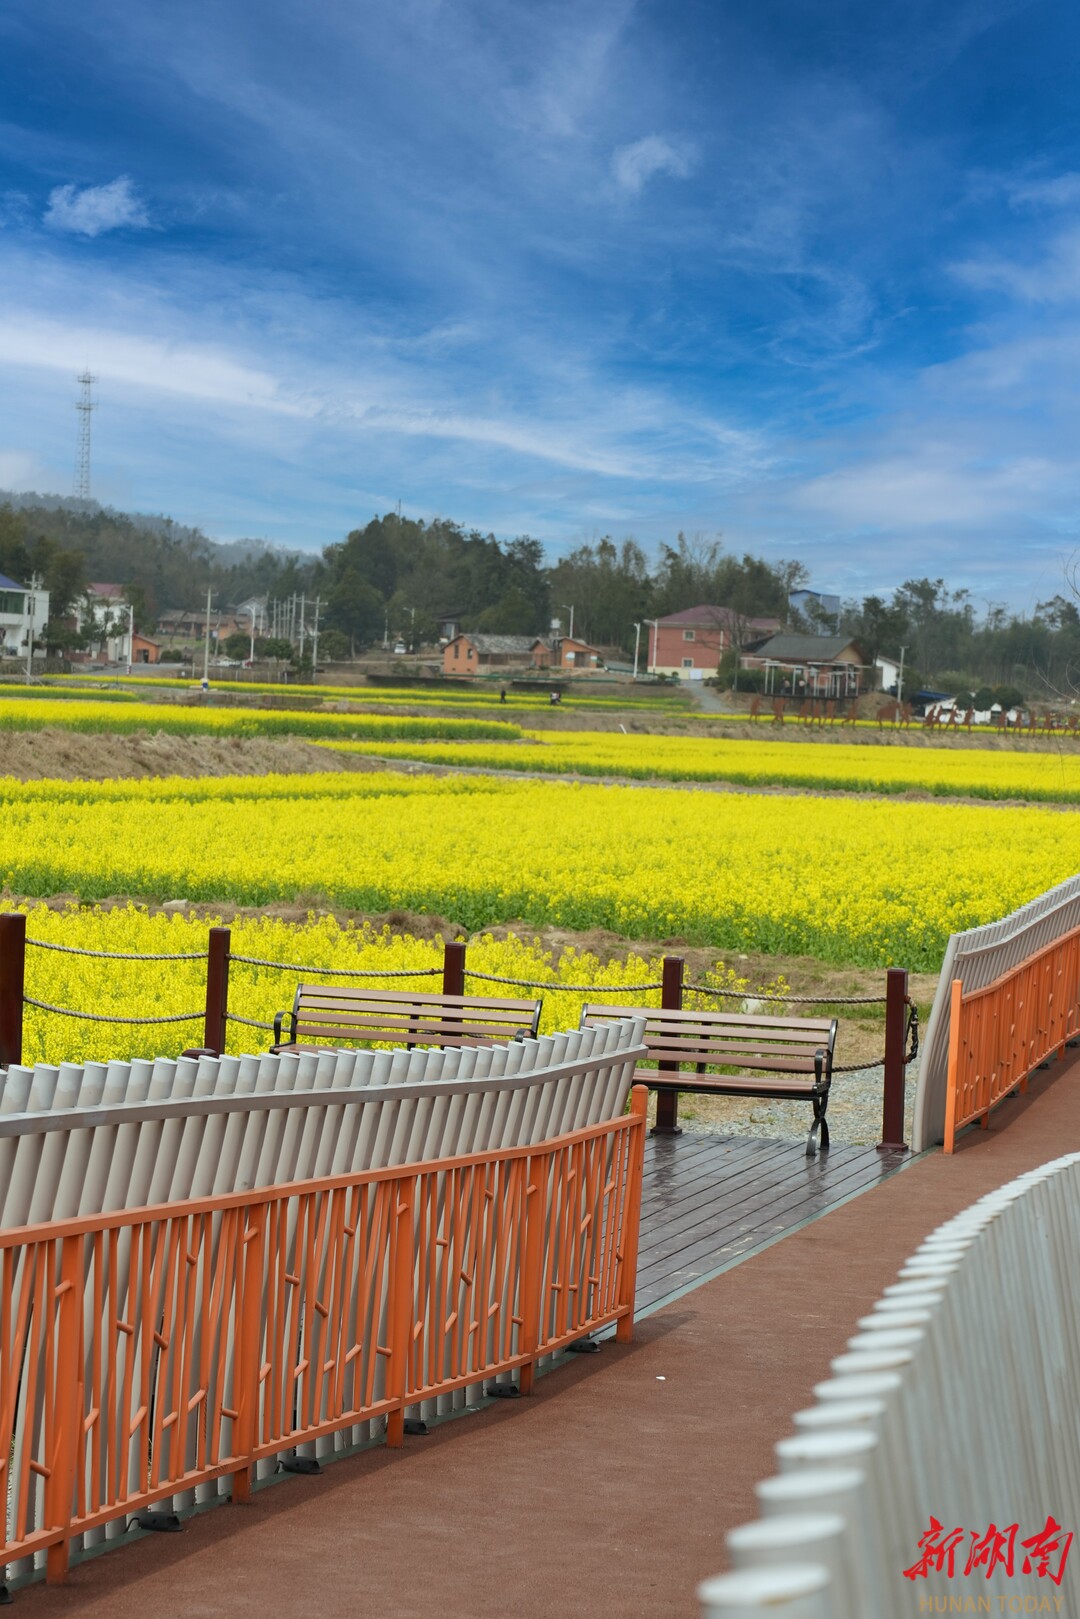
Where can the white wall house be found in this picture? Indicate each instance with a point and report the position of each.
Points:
(104, 612)
(22, 608)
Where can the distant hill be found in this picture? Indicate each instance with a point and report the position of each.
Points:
(169, 563)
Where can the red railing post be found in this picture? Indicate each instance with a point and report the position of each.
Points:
(400, 1312)
(12, 986)
(892, 1107)
(453, 969)
(635, 1163)
(667, 1102)
(217, 989)
(537, 1175)
(251, 1260)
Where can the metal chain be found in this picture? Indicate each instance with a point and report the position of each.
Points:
(791, 1000)
(339, 972)
(252, 1022)
(579, 989)
(115, 955)
(100, 1017)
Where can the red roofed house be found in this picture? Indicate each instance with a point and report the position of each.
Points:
(691, 643)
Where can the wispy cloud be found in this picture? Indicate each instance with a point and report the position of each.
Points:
(92, 210)
(635, 165)
(1053, 278)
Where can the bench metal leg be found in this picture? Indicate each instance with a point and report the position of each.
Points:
(667, 1114)
(820, 1126)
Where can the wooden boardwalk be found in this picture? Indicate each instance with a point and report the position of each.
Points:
(709, 1201)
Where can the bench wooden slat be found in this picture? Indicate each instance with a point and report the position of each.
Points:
(682, 1017)
(351, 1014)
(724, 1084)
(337, 995)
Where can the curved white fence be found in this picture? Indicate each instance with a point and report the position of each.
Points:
(977, 958)
(93, 1138)
(939, 1471)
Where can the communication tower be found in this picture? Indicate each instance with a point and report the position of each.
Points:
(85, 406)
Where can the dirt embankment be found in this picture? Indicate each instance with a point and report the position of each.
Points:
(75, 756)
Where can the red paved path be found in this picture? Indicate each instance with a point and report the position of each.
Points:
(606, 1493)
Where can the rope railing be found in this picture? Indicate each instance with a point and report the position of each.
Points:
(115, 955)
(337, 972)
(789, 1000)
(572, 989)
(103, 1017)
(252, 1022)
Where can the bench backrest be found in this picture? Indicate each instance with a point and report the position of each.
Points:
(327, 1012)
(727, 1039)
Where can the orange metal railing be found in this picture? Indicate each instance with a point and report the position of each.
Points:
(151, 1350)
(999, 1034)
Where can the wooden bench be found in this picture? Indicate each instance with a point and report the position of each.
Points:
(332, 1015)
(788, 1058)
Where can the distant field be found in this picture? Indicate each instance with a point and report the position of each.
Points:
(98, 715)
(487, 696)
(850, 881)
(941, 772)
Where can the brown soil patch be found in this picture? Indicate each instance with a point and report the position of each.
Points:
(62, 755)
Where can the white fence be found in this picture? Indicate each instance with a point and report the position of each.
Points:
(96, 1137)
(977, 958)
(939, 1471)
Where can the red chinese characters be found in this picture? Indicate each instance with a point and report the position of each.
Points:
(1045, 1553)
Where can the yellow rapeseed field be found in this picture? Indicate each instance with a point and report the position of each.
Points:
(1049, 775)
(848, 880)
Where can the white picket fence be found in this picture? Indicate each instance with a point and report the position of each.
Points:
(956, 1401)
(977, 958)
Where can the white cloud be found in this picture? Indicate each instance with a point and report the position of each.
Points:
(1061, 191)
(95, 209)
(634, 165)
(1051, 280)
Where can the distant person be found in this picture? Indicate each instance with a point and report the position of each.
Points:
(556, 699)
(502, 694)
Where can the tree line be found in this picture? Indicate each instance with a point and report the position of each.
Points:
(399, 576)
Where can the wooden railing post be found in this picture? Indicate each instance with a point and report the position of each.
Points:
(667, 1102)
(215, 1026)
(12, 986)
(67, 1406)
(892, 1107)
(635, 1167)
(453, 970)
(399, 1313)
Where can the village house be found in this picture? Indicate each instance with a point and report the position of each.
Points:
(470, 653)
(690, 644)
(24, 611)
(810, 665)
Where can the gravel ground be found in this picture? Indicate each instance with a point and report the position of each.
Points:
(854, 1112)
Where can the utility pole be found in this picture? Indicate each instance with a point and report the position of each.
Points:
(31, 614)
(637, 643)
(315, 642)
(570, 610)
(252, 658)
(206, 643)
(303, 609)
(900, 677)
(131, 637)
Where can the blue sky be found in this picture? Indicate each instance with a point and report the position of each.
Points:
(802, 273)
